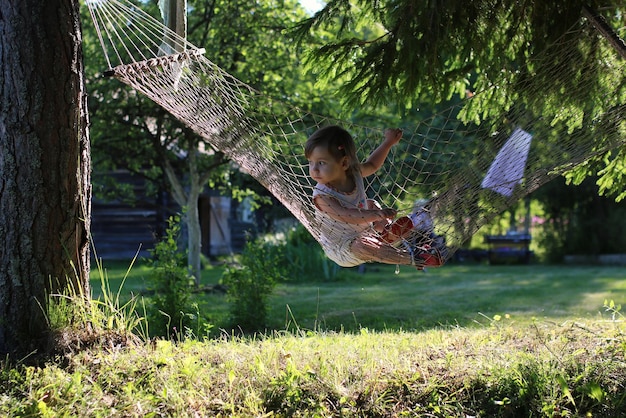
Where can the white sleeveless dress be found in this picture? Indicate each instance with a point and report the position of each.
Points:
(337, 237)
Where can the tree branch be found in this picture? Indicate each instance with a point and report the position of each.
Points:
(607, 31)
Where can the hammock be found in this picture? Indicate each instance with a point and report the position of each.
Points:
(451, 163)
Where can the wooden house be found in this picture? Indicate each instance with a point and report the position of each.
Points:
(121, 229)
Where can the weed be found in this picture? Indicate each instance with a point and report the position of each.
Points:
(78, 322)
(297, 392)
(613, 309)
(113, 314)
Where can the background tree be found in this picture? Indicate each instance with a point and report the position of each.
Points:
(576, 220)
(426, 52)
(245, 37)
(44, 166)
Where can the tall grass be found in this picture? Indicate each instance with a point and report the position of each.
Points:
(545, 370)
(78, 321)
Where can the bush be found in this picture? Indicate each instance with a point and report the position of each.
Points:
(305, 258)
(251, 283)
(171, 283)
(578, 221)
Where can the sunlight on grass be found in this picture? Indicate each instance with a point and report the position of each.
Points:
(451, 296)
(457, 341)
(440, 372)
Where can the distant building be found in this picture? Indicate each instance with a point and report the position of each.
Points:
(120, 229)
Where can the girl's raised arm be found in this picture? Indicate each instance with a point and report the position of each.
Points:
(378, 156)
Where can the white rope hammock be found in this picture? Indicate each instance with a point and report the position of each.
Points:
(468, 172)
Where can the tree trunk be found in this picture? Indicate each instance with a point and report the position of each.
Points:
(188, 200)
(45, 192)
(194, 235)
(175, 18)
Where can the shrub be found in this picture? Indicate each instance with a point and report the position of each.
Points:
(251, 282)
(171, 284)
(305, 258)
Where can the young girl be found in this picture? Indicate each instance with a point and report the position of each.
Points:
(350, 223)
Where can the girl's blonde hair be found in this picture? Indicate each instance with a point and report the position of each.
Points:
(339, 144)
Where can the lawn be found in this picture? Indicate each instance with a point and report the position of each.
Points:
(461, 341)
(379, 299)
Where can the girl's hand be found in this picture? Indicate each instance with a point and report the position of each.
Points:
(388, 213)
(393, 136)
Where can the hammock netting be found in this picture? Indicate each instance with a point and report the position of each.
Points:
(468, 171)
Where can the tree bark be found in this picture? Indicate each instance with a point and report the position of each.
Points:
(194, 235)
(176, 20)
(45, 192)
(188, 200)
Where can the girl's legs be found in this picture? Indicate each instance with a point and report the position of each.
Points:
(369, 248)
(372, 249)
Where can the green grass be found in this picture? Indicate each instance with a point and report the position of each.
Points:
(456, 295)
(137, 275)
(544, 370)
(460, 341)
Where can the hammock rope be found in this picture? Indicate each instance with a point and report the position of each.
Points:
(460, 167)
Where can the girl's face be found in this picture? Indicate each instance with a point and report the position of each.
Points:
(325, 169)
